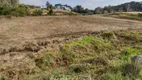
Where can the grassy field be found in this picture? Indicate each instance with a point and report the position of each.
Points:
(127, 15)
(69, 48)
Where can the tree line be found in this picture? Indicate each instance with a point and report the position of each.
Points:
(11, 7)
(77, 8)
(126, 7)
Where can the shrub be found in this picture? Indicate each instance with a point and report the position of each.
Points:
(113, 76)
(51, 12)
(21, 10)
(139, 15)
(2, 78)
(5, 10)
(37, 12)
(131, 70)
(78, 68)
(49, 59)
(109, 35)
(130, 52)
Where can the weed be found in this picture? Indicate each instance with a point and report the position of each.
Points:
(109, 35)
(37, 12)
(79, 68)
(131, 70)
(2, 78)
(114, 76)
(130, 52)
(49, 59)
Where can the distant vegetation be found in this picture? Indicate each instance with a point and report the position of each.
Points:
(11, 7)
(9, 2)
(126, 7)
(20, 10)
(127, 15)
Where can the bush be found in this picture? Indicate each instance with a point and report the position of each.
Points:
(139, 15)
(20, 10)
(51, 12)
(114, 76)
(37, 12)
(131, 70)
(78, 68)
(2, 78)
(108, 35)
(5, 10)
(49, 59)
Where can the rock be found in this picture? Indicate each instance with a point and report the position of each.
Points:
(137, 60)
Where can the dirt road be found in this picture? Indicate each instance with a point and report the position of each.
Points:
(17, 30)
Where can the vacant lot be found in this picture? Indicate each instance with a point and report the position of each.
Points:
(17, 30)
(77, 47)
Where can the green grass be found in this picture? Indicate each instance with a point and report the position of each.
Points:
(2, 78)
(115, 76)
(85, 41)
(129, 52)
(108, 35)
(96, 56)
(49, 59)
(131, 35)
(106, 56)
(130, 16)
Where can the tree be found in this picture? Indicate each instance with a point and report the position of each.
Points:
(126, 7)
(108, 9)
(49, 8)
(48, 5)
(58, 6)
(67, 6)
(98, 10)
(64, 7)
(51, 12)
(14, 2)
(9, 2)
(78, 9)
(87, 11)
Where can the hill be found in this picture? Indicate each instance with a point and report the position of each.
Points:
(69, 48)
(126, 7)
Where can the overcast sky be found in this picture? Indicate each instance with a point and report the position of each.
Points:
(91, 4)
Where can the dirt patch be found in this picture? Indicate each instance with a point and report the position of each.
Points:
(22, 29)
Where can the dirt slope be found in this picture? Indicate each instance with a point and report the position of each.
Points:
(21, 38)
(17, 30)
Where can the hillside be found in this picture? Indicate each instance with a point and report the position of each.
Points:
(69, 47)
(131, 6)
(64, 43)
(126, 7)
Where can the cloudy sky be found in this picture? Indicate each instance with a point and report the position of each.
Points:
(91, 4)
